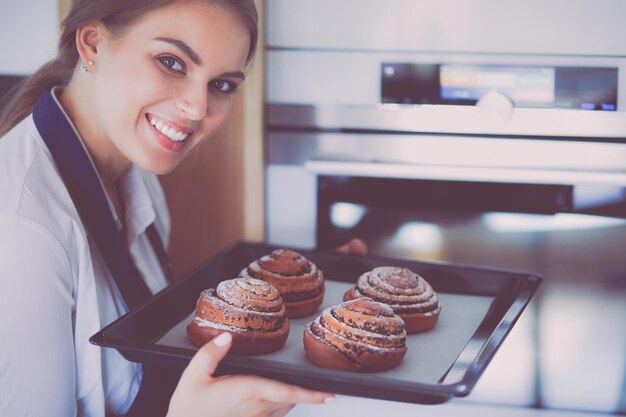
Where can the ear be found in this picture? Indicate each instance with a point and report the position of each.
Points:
(89, 39)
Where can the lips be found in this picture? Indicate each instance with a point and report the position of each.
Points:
(171, 131)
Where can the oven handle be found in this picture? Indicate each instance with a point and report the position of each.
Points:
(463, 173)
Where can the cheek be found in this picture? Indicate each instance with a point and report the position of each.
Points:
(208, 129)
(123, 97)
(218, 112)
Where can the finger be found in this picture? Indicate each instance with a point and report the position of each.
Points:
(344, 248)
(280, 392)
(205, 361)
(355, 246)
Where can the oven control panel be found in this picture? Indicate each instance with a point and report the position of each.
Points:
(560, 87)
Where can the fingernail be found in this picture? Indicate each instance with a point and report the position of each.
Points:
(223, 339)
(330, 400)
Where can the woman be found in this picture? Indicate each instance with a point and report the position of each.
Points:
(136, 86)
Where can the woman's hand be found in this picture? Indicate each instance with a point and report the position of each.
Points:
(200, 394)
(355, 246)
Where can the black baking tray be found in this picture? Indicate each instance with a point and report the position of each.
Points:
(488, 300)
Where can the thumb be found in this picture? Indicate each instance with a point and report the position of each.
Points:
(205, 361)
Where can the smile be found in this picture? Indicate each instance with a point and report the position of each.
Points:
(172, 133)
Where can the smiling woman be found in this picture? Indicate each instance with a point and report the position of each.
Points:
(135, 87)
(154, 95)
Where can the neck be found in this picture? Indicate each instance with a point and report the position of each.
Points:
(76, 100)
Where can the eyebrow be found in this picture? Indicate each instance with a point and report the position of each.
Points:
(184, 48)
(234, 74)
(187, 50)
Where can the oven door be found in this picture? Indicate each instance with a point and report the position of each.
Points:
(575, 325)
(567, 350)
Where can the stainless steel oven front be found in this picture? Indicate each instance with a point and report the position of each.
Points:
(472, 132)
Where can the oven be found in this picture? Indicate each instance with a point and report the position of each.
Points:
(474, 132)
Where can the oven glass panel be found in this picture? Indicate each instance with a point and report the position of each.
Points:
(568, 350)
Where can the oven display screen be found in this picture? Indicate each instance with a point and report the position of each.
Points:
(586, 88)
(523, 85)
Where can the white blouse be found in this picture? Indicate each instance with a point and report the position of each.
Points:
(56, 291)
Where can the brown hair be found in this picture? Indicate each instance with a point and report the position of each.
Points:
(117, 15)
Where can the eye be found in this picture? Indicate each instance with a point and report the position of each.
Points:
(223, 86)
(172, 63)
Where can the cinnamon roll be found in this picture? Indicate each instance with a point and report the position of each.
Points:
(408, 294)
(250, 309)
(360, 335)
(299, 281)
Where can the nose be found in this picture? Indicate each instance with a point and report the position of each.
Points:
(193, 102)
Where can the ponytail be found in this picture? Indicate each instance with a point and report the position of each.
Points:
(24, 96)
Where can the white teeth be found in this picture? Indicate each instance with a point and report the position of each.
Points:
(168, 131)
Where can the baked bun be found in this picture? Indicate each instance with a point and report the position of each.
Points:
(300, 283)
(408, 294)
(250, 309)
(359, 335)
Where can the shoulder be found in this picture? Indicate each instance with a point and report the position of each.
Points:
(26, 166)
(19, 150)
(34, 197)
(23, 141)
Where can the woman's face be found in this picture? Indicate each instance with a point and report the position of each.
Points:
(167, 84)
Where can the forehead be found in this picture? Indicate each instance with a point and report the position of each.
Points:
(214, 32)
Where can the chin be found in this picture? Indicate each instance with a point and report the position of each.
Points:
(157, 168)
(163, 171)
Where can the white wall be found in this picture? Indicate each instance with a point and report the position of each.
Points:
(29, 31)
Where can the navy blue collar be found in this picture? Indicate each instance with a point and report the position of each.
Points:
(85, 189)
